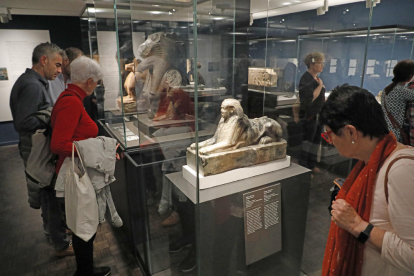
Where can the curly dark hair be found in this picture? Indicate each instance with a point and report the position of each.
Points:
(351, 105)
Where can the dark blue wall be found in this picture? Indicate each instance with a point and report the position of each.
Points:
(353, 16)
(8, 136)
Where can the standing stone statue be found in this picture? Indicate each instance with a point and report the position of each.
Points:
(158, 55)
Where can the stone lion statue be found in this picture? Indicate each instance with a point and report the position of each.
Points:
(236, 130)
(159, 55)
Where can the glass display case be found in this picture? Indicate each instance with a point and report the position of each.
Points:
(169, 65)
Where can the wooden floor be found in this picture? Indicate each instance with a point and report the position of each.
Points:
(26, 251)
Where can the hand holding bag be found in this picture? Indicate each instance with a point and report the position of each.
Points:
(80, 202)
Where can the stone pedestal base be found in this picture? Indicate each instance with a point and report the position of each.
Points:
(232, 176)
(229, 160)
(129, 106)
(148, 126)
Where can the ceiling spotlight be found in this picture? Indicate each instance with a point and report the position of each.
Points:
(209, 13)
(323, 9)
(283, 20)
(5, 15)
(169, 12)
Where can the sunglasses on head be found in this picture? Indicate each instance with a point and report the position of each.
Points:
(325, 135)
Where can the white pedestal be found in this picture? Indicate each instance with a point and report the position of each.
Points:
(234, 175)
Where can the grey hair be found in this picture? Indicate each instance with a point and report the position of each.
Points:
(236, 104)
(44, 49)
(84, 68)
(62, 53)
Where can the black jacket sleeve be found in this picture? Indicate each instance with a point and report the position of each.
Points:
(29, 102)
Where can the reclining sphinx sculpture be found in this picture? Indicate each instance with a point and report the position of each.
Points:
(238, 142)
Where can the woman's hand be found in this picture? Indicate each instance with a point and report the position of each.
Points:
(119, 156)
(320, 82)
(345, 216)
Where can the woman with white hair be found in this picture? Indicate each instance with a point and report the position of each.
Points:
(70, 122)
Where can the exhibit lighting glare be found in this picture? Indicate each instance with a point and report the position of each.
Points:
(156, 12)
(91, 10)
(218, 18)
(286, 3)
(155, 5)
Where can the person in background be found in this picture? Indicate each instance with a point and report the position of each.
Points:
(371, 231)
(312, 97)
(70, 122)
(59, 84)
(396, 95)
(28, 96)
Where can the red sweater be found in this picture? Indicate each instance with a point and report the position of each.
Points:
(70, 122)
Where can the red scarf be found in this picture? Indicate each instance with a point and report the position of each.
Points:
(343, 253)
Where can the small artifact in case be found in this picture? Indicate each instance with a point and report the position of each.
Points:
(266, 77)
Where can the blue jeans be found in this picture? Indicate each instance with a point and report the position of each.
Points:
(52, 218)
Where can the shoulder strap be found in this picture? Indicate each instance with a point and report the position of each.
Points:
(388, 169)
(392, 119)
(396, 125)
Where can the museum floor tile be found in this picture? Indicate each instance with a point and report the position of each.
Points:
(25, 249)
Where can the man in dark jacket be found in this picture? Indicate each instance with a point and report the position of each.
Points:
(28, 96)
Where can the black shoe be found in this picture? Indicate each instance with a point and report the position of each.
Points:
(178, 245)
(190, 262)
(99, 271)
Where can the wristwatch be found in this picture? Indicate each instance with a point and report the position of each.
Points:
(364, 235)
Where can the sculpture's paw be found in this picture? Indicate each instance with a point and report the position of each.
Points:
(266, 140)
(203, 152)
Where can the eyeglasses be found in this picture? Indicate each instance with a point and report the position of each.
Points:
(326, 137)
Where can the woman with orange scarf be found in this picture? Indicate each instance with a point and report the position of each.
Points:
(372, 228)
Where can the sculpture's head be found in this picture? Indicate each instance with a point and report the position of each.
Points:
(231, 107)
(157, 44)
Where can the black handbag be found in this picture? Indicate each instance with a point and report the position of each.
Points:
(335, 190)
